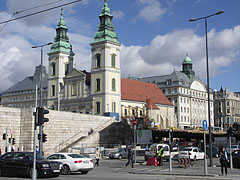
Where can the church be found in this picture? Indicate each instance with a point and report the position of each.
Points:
(101, 91)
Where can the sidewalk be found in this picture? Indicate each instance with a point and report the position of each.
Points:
(178, 170)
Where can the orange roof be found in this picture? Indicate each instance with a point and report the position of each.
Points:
(150, 104)
(141, 91)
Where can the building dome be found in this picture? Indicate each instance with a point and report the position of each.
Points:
(187, 60)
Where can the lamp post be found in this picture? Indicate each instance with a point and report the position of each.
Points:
(40, 127)
(209, 115)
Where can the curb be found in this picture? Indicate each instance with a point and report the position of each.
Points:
(172, 174)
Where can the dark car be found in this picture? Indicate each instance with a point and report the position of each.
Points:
(236, 158)
(118, 154)
(215, 151)
(21, 163)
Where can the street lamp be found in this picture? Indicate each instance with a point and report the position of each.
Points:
(40, 127)
(209, 116)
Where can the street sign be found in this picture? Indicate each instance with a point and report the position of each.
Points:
(134, 122)
(205, 125)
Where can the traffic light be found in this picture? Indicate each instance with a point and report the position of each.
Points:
(44, 138)
(9, 140)
(4, 136)
(13, 141)
(40, 116)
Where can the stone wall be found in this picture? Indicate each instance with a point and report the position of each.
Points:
(63, 128)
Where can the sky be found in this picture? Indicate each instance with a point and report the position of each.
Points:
(155, 37)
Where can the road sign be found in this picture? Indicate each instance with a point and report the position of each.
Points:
(134, 122)
(204, 124)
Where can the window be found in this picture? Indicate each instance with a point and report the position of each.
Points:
(133, 112)
(74, 89)
(98, 84)
(228, 111)
(113, 84)
(66, 69)
(125, 112)
(169, 91)
(98, 107)
(113, 107)
(98, 59)
(163, 91)
(141, 113)
(53, 69)
(113, 60)
(169, 82)
(53, 90)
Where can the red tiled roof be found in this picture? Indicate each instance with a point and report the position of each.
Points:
(141, 91)
(150, 104)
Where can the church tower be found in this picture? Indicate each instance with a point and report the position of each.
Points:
(187, 68)
(105, 66)
(60, 62)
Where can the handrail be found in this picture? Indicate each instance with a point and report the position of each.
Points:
(98, 128)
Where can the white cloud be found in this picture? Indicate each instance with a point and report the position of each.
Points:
(118, 14)
(151, 10)
(166, 53)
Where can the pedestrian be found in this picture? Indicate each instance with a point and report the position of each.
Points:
(130, 156)
(223, 160)
(160, 155)
(147, 148)
(97, 157)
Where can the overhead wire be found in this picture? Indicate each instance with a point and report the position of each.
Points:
(38, 12)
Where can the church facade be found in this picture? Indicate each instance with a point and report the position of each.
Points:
(102, 90)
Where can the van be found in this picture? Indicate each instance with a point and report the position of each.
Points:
(154, 149)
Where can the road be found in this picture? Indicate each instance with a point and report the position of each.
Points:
(116, 170)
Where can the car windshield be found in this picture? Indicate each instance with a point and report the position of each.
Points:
(76, 156)
(30, 156)
(186, 149)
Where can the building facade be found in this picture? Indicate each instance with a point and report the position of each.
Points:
(187, 93)
(97, 92)
(227, 108)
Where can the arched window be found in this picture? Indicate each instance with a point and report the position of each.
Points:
(113, 84)
(53, 69)
(98, 61)
(113, 60)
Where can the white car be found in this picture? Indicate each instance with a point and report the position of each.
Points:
(72, 162)
(191, 152)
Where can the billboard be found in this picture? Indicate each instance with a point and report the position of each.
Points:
(144, 137)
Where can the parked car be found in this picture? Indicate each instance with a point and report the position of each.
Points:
(215, 151)
(72, 162)
(118, 154)
(154, 149)
(21, 163)
(233, 148)
(236, 158)
(193, 153)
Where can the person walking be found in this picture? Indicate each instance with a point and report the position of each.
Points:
(223, 160)
(130, 156)
(97, 157)
(160, 155)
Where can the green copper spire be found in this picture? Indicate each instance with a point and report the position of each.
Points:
(187, 68)
(61, 41)
(105, 28)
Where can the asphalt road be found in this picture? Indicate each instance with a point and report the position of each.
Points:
(116, 170)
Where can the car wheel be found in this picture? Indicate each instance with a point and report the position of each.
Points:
(84, 172)
(65, 170)
(120, 156)
(195, 158)
(30, 173)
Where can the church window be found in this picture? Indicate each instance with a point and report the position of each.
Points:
(53, 90)
(98, 84)
(141, 113)
(113, 60)
(113, 84)
(74, 89)
(98, 61)
(53, 69)
(66, 69)
(98, 107)
(113, 107)
(133, 112)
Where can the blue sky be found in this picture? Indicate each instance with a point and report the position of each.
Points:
(155, 36)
